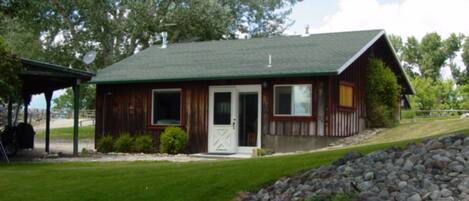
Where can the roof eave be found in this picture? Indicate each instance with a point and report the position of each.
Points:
(75, 72)
(412, 90)
(366, 47)
(212, 78)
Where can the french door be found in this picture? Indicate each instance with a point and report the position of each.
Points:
(234, 118)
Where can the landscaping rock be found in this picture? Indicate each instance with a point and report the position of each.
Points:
(438, 169)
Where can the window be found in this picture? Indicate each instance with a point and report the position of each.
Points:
(346, 95)
(222, 108)
(292, 100)
(166, 107)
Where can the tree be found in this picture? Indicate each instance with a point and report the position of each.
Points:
(462, 76)
(87, 101)
(425, 94)
(382, 95)
(10, 65)
(116, 29)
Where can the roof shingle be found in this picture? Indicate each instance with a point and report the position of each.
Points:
(313, 55)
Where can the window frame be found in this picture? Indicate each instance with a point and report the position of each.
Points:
(346, 108)
(293, 116)
(153, 91)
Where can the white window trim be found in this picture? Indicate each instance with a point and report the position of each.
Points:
(153, 91)
(292, 104)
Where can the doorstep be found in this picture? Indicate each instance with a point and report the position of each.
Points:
(222, 156)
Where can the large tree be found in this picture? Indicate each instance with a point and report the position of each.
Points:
(119, 28)
(10, 82)
(67, 29)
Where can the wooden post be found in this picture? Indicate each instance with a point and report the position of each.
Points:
(76, 110)
(10, 113)
(48, 95)
(26, 101)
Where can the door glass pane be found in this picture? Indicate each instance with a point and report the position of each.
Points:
(302, 100)
(222, 108)
(247, 124)
(283, 96)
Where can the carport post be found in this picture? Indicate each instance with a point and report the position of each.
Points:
(10, 113)
(76, 110)
(27, 100)
(48, 95)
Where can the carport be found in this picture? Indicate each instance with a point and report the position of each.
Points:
(41, 77)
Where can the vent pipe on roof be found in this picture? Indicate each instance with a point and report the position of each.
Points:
(270, 61)
(306, 31)
(164, 42)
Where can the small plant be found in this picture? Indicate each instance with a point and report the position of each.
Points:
(143, 143)
(260, 152)
(173, 140)
(105, 144)
(124, 143)
(85, 152)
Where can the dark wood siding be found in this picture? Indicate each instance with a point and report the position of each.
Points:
(127, 108)
(347, 121)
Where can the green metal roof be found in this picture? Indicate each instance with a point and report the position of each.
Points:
(34, 65)
(313, 55)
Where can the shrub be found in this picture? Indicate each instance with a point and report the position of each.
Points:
(143, 143)
(382, 95)
(124, 143)
(85, 152)
(105, 144)
(173, 140)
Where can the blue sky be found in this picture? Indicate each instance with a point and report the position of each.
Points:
(399, 17)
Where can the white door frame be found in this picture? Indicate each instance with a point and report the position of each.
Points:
(236, 89)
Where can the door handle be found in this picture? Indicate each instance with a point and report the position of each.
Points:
(234, 124)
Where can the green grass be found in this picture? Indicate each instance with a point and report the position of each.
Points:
(213, 180)
(205, 180)
(85, 132)
(420, 129)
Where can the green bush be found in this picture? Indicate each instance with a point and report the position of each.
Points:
(143, 143)
(382, 95)
(408, 114)
(105, 144)
(124, 143)
(173, 140)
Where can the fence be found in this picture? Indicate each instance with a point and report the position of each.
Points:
(412, 114)
(36, 116)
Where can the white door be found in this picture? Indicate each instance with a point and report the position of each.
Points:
(234, 118)
(222, 136)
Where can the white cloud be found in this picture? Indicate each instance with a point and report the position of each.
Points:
(404, 18)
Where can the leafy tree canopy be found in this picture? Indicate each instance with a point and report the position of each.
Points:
(10, 65)
(62, 31)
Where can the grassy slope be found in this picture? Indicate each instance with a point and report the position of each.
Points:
(208, 180)
(213, 180)
(420, 129)
(85, 132)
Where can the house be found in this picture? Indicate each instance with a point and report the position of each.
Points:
(283, 93)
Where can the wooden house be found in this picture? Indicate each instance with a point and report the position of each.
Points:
(283, 93)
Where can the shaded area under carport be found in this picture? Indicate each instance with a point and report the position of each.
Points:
(40, 77)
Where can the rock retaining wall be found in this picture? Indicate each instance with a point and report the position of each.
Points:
(437, 169)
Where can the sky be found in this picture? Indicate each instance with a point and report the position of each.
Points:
(399, 17)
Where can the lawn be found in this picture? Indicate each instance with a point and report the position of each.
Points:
(423, 127)
(206, 180)
(85, 132)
